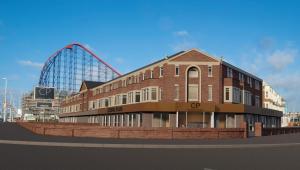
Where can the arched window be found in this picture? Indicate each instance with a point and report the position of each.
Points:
(193, 72)
(192, 87)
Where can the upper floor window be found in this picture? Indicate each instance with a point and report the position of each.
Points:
(193, 72)
(151, 74)
(229, 72)
(257, 85)
(227, 93)
(176, 92)
(161, 71)
(193, 92)
(137, 97)
(176, 70)
(209, 93)
(241, 76)
(209, 71)
(249, 81)
(124, 99)
(153, 93)
(257, 101)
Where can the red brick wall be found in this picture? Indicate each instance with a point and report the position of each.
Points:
(90, 130)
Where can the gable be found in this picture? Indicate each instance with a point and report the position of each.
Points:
(194, 56)
(83, 86)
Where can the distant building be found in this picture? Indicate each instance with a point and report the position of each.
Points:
(272, 100)
(291, 119)
(38, 109)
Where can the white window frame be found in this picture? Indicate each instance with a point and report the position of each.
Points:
(210, 93)
(210, 73)
(161, 71)
(177, 92)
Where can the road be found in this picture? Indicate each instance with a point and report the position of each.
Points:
(53, 157)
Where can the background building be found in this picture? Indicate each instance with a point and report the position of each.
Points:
(40, 109)
(291, 119)
(272, 100)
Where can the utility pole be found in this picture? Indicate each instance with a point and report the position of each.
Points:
(5, 102)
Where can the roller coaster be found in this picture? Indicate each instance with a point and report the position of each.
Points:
(68, 67)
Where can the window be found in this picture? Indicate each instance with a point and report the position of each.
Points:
(161, 71)
(106, 102)
(229, 72)
(145, 94)
(209, 71)
(247, 98)
(124, 99)
(236, 95)
(137, 97)
(153, 94)
(257, 101)
(176, 92)
(193, 92)
(257, 85)
(266, 94)
(130, 97)
(241, 76)
(227, 94)
(151, 74)
(160, 93)
(209, 93)
(193, 72)
(176, 70)
(143, 78)
(249, 81)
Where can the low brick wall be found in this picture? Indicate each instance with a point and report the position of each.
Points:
(94, 130)
(279, 131)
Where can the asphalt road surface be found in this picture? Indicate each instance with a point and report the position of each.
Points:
(53, 157)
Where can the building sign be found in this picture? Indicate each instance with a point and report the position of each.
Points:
(114, 109)
(44, 93)
(195, 105)
(43, 104)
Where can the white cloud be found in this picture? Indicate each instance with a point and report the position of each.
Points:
(182, 33)
(183, 41)
(30, 63)
(277, 68)
(288, 86)
(279, 59)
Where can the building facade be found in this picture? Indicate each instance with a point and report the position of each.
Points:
(188, 89)
(272, 100)
(291, 119)
(40, 109)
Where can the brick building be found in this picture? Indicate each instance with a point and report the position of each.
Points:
(187, 89)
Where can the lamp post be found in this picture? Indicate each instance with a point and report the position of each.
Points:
(5, 102)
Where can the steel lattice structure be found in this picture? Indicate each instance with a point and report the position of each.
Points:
(68, 67)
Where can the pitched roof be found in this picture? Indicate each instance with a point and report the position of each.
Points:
(91, 84)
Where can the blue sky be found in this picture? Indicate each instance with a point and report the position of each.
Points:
(259, 36)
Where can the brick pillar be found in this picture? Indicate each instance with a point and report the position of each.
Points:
(245, 127)
(258, 129)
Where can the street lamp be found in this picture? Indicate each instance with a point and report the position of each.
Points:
(5, 102)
